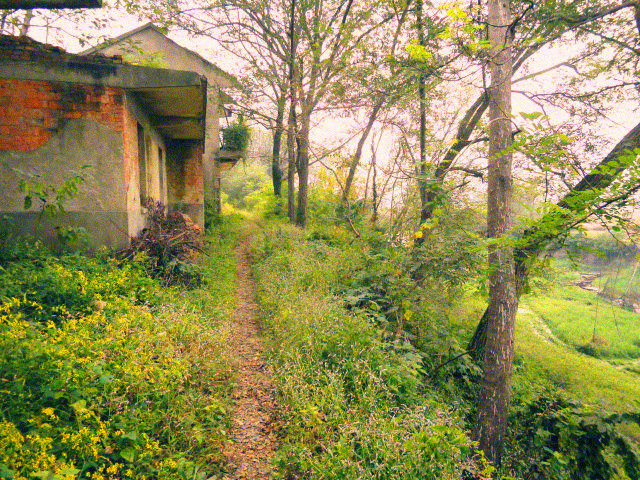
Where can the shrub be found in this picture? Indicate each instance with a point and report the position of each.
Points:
(553, 438)
(350, 394)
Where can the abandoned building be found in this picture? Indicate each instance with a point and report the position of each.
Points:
(147, 44)
(141, 130)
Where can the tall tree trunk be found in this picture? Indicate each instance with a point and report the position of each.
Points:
(291, 168)
(276, 171)
(495, 393)
(291, 134)
(26, 23)
(423, 186)
(355, 161)
(374, 189)
(303, 169)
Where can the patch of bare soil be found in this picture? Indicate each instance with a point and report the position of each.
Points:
(253, 436)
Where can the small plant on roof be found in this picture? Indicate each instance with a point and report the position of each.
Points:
(236, 136)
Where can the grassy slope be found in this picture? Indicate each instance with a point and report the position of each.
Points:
(551, 324)
(567, 314)
(575, 315)
(586, 378)
(548, 328)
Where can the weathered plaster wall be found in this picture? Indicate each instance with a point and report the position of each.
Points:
(45, 124)
(32, 112)
(136, 218)
(100, 206)
(155, 166)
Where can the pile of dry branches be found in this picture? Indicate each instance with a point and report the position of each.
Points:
(172, 243)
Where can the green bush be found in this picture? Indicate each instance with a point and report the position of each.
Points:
(554, 438)
(350, 395)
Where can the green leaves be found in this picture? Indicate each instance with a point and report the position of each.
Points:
(98, 374)
(531, 116)
(128, 454)
(236, 137)
(563, 439)
(419, 53)
(52, 198)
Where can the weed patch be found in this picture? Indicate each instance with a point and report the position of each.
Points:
(588, 323)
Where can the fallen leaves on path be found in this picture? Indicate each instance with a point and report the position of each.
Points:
(254, 440)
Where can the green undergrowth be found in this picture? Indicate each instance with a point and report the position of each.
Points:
(541, 360)
(352, 399)
(104, 374)
(572, 415)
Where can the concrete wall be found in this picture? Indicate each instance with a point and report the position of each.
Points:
(51, 130)
(144, 177)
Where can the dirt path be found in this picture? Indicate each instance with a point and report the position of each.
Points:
(253, 436)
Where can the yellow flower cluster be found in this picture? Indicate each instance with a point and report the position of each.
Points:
(89, 384)
(28, 454)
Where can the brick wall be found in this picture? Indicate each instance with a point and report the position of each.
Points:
(194, 180)
(31, 112)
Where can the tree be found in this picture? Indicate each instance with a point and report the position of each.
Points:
(292, 122)
(509, 272)
(330, 33)
(382, 83)
(254, 32)
(582, 201)
(495, 393)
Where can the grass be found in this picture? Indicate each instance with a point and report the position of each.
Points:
(588, 322)
(623, 282)
(350, 404)
(586, 378)
(550, 328)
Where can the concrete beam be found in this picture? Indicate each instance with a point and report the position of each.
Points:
(106, 74)
(163, 92)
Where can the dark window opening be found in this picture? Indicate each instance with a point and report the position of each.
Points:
(142, 165)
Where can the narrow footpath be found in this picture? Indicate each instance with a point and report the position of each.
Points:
(253, 436)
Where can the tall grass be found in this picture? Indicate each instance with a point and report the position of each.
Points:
(589, 323)
(351, 400)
